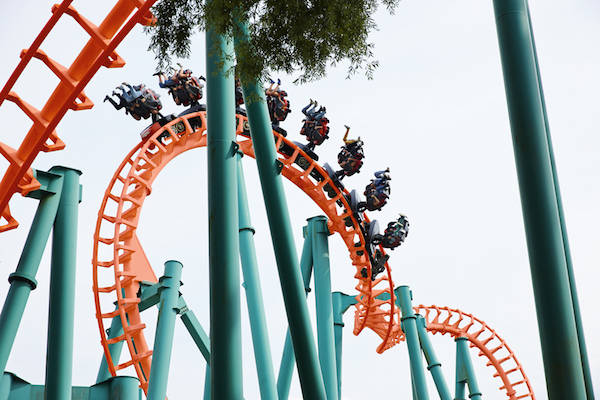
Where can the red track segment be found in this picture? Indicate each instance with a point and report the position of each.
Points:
(98, 52)
(491, 346)
(132, 183)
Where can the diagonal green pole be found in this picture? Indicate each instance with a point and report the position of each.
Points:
(550, 277)
(433, 364)
(317, 227)
(165, 330)
(224, 270)
(115, 330)
(256, 309)
(286, 367)
(283, 239)
(22, 281)
(61, 313)
(587, 375)
(465, 375)
(409, 326)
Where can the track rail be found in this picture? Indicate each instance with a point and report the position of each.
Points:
(99, 51)
(508, 369)
(116, 235)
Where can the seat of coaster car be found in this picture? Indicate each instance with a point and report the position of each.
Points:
(356, 201)
(333, 175)
(308, 151)
(194, 107)
(153, 127)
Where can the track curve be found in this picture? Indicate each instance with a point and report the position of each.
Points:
(509, 370)
(132, 183)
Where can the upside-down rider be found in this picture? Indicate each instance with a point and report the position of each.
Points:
(138, 101)
(185, 88)
(378, 191)
(315, 124)
(277, 104)
(351, 156)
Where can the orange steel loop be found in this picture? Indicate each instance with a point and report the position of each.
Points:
(132, 183)
(98, 52)
(459, 324)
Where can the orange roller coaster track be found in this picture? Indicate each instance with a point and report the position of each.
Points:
(98, 51)
(128, 266)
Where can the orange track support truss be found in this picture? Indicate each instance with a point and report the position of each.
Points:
(99, 51)
(120, 275)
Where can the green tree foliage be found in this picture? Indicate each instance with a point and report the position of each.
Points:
(294, 36)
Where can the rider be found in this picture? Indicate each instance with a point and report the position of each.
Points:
(351, 155)
(378, 191)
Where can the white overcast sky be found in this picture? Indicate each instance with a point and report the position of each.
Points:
(435, 114)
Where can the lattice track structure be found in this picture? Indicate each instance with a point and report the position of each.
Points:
(98, 52)
(132, 183)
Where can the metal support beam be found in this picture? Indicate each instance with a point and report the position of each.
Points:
(22, 281)
(587, 375)
(317, 228)
(286, 368)
(254, 300)
(165, 330)
(224, 270)
(465, 375)
(550, 277)
(115, 330)
(281, 235)
(61, 314)
(433, 364)
(341, 303)
(409, 326)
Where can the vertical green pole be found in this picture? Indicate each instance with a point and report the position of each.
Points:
(341, 303)
(409, 326)
(165, 330)
(464, 371)
(225, 313)
(283, 240)
(256, 309)
(286, 368)
(317, 226)
(433, 364)
(61, 315)
(116, 329)
(587, 375)
(207, 383)
(556, 319)
(22, 281)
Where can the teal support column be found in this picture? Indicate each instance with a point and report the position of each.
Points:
(207, 383)
(554, 305)
(341, 303)
(256, 308)
(587, 375)
(22, 281)
(225, 313)
(165, 330)
(317, 226)
(433, 364)
(196, 331)
(409, 326)
(286, 368)
(115, 330)
(464, 371)
(61, 314)
(283, 240)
